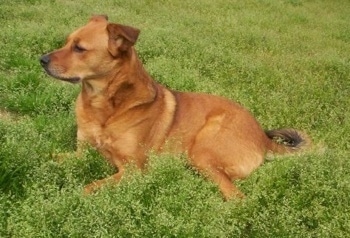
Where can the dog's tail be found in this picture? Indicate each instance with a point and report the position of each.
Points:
(284, 141)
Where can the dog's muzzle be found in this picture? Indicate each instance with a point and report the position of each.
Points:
(45, 63)
(45, 60)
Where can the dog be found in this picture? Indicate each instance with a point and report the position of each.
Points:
(125, 114)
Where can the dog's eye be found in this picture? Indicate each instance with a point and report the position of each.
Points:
(78, 49)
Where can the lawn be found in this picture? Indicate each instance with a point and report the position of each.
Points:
(287, 61)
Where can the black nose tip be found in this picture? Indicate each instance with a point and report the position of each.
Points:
(44, 60)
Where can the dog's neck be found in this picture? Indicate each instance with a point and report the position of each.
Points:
(128, 86)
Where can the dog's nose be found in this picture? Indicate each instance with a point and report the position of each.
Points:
(44, 60)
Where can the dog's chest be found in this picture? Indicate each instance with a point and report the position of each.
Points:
(110, 139)
(95, 128)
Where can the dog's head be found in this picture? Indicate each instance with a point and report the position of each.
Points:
(91, 52)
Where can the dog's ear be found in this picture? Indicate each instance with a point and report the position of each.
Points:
(99, 18)
(121, 38)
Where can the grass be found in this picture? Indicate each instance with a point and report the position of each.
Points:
(287, 61)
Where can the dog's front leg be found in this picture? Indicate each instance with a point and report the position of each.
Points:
(92, 187)
(78, 153)
(117, 161)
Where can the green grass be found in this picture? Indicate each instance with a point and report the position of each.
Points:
(287, 61)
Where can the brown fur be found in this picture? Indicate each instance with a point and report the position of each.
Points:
(124, 113)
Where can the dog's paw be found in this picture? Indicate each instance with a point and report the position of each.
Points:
(61, 157)
(92, 187)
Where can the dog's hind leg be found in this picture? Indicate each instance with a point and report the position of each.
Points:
(203, 162)
(225, 154)
(227, 188)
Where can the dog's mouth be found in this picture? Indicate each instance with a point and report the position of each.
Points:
(56, 71)
(73, 80)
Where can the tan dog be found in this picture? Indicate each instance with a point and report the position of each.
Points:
(124, 113)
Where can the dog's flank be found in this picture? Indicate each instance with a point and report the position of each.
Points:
(124, 113)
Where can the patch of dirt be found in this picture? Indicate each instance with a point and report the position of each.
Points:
(8, 116)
